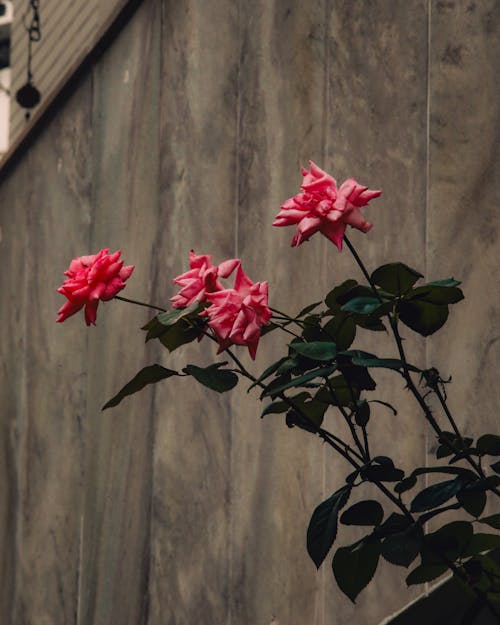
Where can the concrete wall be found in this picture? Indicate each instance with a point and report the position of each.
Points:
(181, 507)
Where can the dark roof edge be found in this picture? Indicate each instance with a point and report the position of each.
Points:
(109, 31)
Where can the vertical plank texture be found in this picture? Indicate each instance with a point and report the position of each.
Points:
(118, 481)
(464, 195)
(190, 542)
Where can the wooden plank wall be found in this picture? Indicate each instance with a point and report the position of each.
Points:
(180, 507)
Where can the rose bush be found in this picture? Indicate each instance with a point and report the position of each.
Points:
(320, 375)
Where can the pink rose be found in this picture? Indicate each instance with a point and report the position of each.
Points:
(202, 278)
(90, 279)
(238, 314)
(323, 207)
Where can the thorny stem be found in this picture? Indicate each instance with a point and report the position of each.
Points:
(347, 419)
(133, 301)
(406, 372)
(334, 441)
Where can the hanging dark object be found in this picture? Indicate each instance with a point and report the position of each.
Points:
(28, 96)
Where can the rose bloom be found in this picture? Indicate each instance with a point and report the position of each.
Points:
(324, 208)
(201, 279)
(237, 315)
(90, 279)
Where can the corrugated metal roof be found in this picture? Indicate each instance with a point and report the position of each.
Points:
(70, 30)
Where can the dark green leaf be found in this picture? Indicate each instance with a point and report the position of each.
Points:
(316, 350)
(402, 548)
(357, 377)
(482, 542)
(395, 523)
(472, 502)
(179, 334)
(436, 294)
(367, 512)
(322, 529)
(274, 390)
(437, 494)
(213, 377)
(338, 392)
(395, 278)
(384, 363)
(443, 452)
(492, 520)
(359, 290)
(362, 413)
(489, 444)
(423, 317)
(355, 566)
(362, 305)
(289, 364)
(331, 299)
(407, 484)
(496, 467)
(377, 473)
(170, 317)
(268, 371)
(445, 282)
(425, 573)
(450, 541)
(342, 330)
(276, 407)
(307, 413)
(148, 375)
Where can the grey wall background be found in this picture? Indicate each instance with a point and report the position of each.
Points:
(180, 507)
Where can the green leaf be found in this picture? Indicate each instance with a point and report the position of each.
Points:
(331, 299)
(423, 317)
(394, 524)
(436, 294)
(451, 540)
(170, 317)
(445, 282)
(482, 542)
(362, 413)
(407, 484)
(384, 363)
(425, 573)
(435, 495)
(496, 467)
(355, 566)
(472, 502)
(489, 444)
(179, 334)
(377, 473)
(368, 512)
(492, 520)
(316, 350)
(274, 390)
(342, 395)
(313, 409)
(276, 407)
(322, 529)
(342, 330)
(148, 375)
(361, 305)
(213, 377)
(402, 548)
(267, 372)
(395, 278)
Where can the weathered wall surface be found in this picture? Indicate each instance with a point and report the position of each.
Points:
(179, 507)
